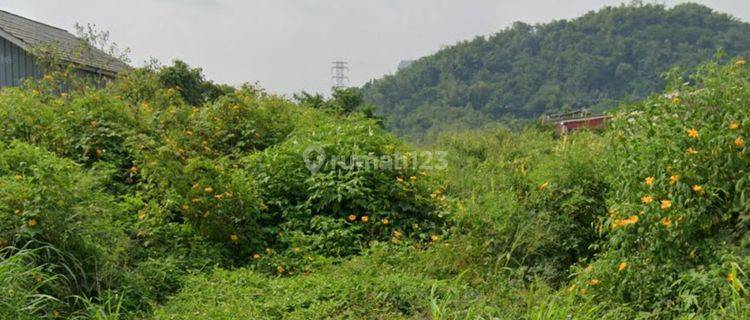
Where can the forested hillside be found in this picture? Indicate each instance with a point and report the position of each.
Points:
(613, 55)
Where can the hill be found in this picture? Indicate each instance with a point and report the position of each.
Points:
(613, 55)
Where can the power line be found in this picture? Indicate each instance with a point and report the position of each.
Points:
(339, 70)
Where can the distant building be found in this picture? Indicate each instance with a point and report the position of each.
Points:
(574, 120)
(19, 37)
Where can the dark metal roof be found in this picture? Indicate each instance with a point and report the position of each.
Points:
(29, 34)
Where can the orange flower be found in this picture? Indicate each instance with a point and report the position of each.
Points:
(693, 133)
(622, 266)
(649, 181)
(352, 217)
(647, 199)
(667, 222)
(674, 179)
(666, 204)
(31, 222)
(594, 282)
(698, 189)
(624, 222)
(739, 142)
(734, 125)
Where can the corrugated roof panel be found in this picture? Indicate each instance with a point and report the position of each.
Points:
(36, 34)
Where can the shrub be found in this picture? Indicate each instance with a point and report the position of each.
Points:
(334, 186)
(50, 202)
(679, 207)
(526, 200)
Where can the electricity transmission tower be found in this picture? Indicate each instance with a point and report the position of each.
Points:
(339, 70)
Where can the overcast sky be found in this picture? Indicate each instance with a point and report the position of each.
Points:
(288, 45)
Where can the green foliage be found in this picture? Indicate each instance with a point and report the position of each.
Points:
(190, 83)
(597, 61)
(21, 279)
(677, 219)
(154, 177)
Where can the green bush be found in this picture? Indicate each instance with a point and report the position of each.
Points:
(678, 211)
(51, 202)
(527, 200)
(354, 195)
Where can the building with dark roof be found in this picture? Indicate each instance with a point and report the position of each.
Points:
(21, 39)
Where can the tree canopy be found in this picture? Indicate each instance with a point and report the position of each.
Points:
(596, 61)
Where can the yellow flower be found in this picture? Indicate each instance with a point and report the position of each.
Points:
(234, 237)
(399, 179)
(649, 181)
(734, 125)
(739, 142)
(624, 222)
(280, 269)
(730, 276)
(256, 256)
(622, 266)
(365, 218)
(674, 179)
(412, 178)
(693, 133)
(434, 237)
(352, 217)
(666, 204)
(692, 150)
(676, 100)
(31, 222)
(698, 189)
(209, 190)
(594, 282)
(386, 221)
(543, 185)
(740, 62)
(141, 215)
(667, 222)
(647, 199)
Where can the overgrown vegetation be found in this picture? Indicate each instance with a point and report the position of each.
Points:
(643, 221)
(165, 196)
(113, 193)
(604, 58)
